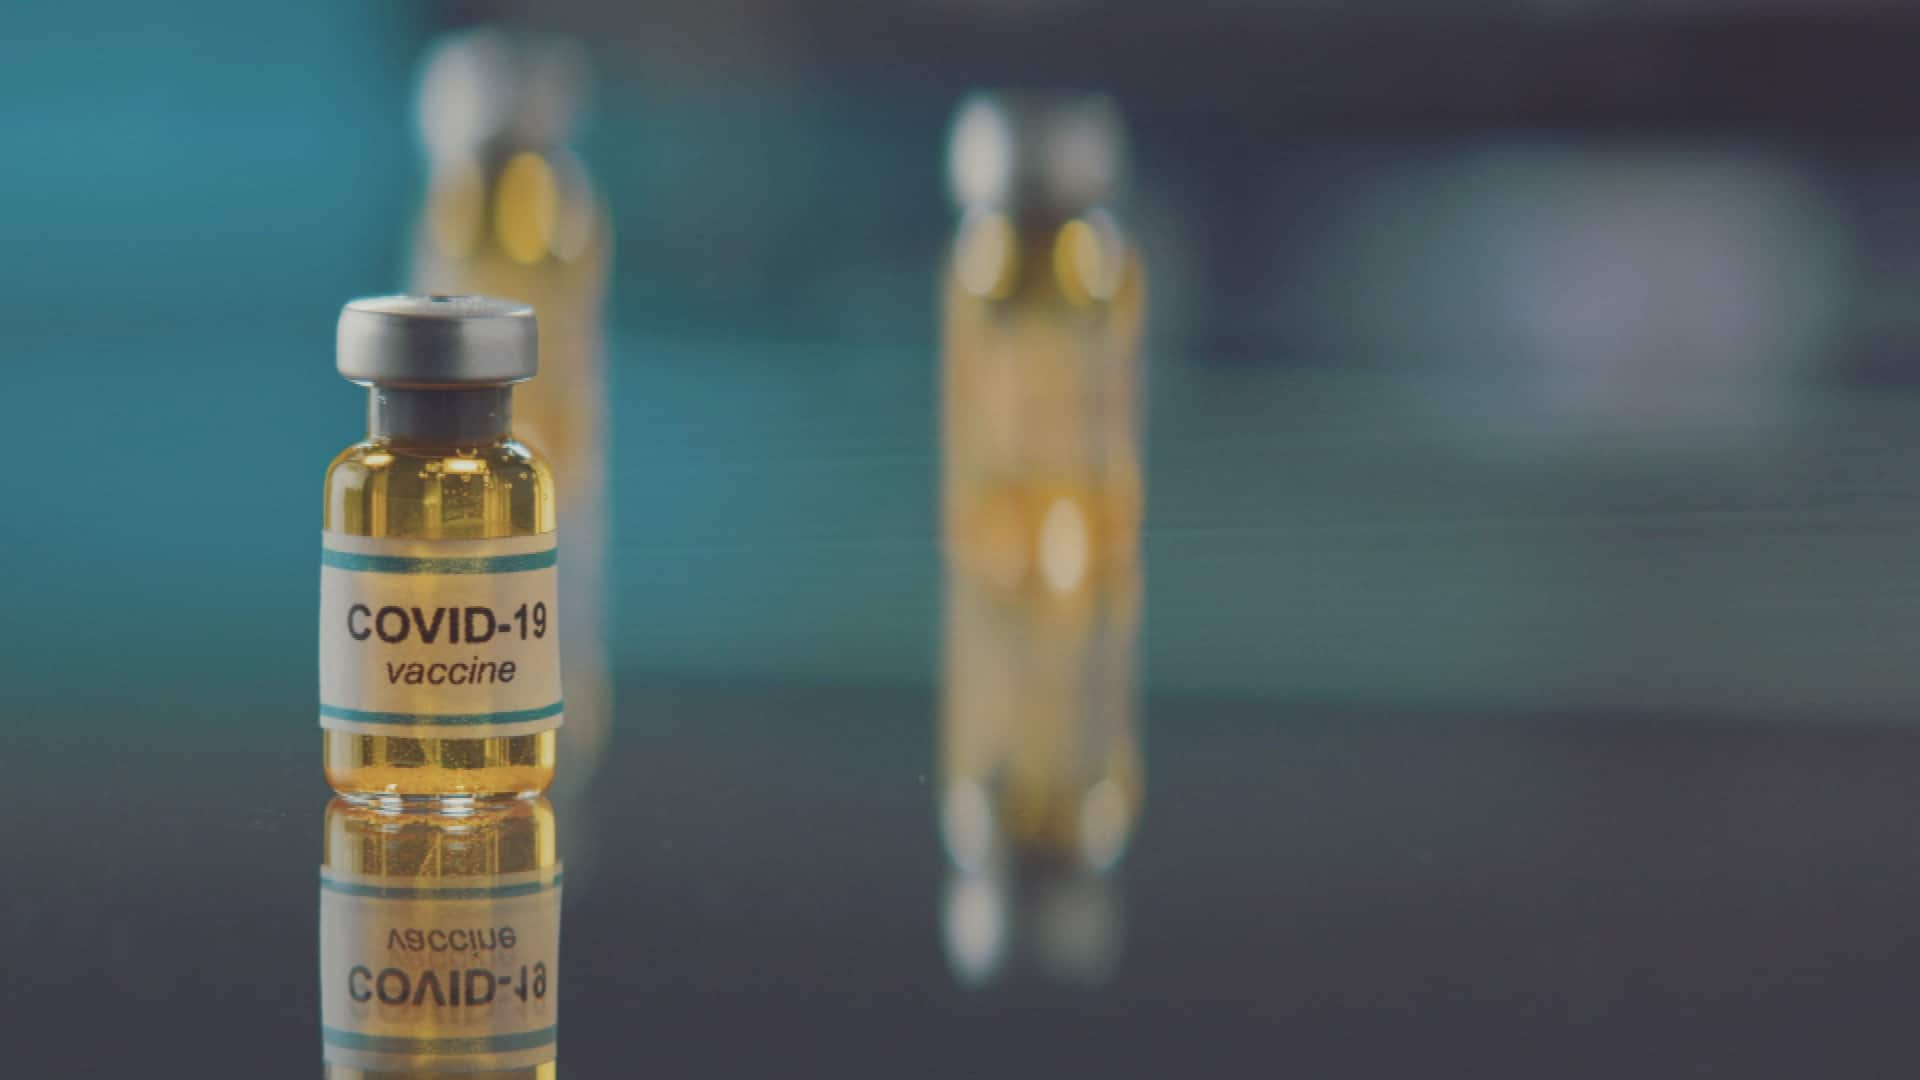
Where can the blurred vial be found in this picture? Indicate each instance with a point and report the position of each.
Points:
(439, 942)
(1042, 772)
(1043, 301)
(511, 211)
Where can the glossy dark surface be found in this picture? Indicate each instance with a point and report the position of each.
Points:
(754, 882)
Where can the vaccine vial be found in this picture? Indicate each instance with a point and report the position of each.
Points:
(1043, 299)
(439, 617)
(1041, 762)
(439, 941)
(512, 210)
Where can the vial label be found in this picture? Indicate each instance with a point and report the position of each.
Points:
(439, 638)
(429, 974)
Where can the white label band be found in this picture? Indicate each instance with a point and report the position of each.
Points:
(439, 638)
(439, 975)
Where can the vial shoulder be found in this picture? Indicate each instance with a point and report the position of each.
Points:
(1085, 266)
(517, 460)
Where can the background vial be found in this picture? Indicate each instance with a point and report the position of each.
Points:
(456, 879)
(511, 211)
(439, 463)
(1043, 302)
(1041, 764)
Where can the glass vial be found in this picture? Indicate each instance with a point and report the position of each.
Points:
(1043, 300)
(511, 210)
(439, 619)
(1041, 761)
(439, 942)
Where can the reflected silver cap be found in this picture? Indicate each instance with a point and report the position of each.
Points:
(1021, 150)
(438, 341)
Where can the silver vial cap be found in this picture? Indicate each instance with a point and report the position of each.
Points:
(1029, 150)
(437, 341)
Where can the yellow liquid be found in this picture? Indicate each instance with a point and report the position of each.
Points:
(1042, 488)
(450, 849)
(1042, 498)
(389, 490)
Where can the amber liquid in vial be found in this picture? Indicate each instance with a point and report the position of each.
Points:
(1042, 489)
(389, 488)
(452, 850)
(1042, 501)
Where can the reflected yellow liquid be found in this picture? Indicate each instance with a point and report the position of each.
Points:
(384, 489)
(1040, 746)
(450, 848)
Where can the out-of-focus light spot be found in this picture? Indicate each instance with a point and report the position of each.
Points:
(1086, 260)
(466, 91)
(984, 259)
(379, 459)
(974, 927)
(465, 466)
(980, 154)
(456, 208)
(1063, 546)
(524, 208)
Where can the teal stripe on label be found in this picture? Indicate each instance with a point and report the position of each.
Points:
(480, 719)
(394, 1044)
(406, 564)
(427, 892)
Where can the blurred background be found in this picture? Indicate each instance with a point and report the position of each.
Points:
(1531, 528)
(1432, 288)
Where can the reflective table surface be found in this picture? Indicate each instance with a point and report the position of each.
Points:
(755, 882)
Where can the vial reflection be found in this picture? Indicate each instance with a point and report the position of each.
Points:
(439, 942)
(1041, 776)
(1057, 920)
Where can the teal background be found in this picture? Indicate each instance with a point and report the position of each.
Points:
(1373, 475)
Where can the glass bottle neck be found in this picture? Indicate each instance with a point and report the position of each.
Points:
(440, 417)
